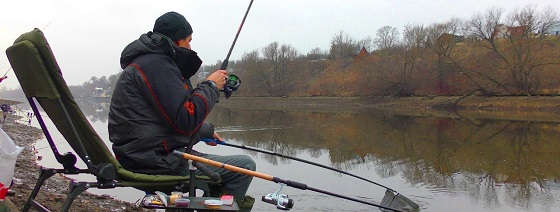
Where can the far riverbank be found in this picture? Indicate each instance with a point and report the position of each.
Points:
(529, 108)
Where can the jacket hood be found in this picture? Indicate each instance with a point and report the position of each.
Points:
(149, 43)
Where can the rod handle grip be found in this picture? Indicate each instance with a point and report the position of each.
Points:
(212, 140)
(294, 184)
(224, 65)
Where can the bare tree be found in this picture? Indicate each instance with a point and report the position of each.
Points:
(286, 56)
(415, 36)
(316, 53)
(483, 26)
(386, 37)
(342, 46)
(271, 72)
(517, 49)
(270, 52)
(287, 53)
(415, 39)
(435, 31)
(278, 60)
(251, 57)
(254, 72)
(549, 18)
(442, 39)
(366, 43)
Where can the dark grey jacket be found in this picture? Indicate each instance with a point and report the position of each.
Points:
(155, 110)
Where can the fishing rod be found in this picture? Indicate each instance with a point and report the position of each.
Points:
(6, 73)
(275, 198)
(9, 69)
(233, 81)
(226, 61)
(5, 76)
(216, 141)
(396, 196)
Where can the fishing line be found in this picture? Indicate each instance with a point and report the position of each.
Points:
(43, 28)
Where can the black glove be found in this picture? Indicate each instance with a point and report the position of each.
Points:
(206, 130)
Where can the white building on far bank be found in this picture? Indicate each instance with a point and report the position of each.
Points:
(554, 30)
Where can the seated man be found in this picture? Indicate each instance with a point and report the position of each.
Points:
(155, 109)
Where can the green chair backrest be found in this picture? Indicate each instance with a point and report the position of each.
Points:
(39, 76)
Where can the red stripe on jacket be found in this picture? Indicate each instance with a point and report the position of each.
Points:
(156, 100)
(190, 107)
(164, 143)
(206, 110)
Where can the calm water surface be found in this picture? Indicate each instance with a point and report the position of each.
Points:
(442, 164)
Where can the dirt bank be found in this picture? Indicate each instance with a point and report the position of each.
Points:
(533, 108)
(54, 191)
(521, 108)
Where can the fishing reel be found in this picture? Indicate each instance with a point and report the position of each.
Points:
(281, 201)
(232, 84)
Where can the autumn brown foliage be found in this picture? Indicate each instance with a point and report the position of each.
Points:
(457, 57)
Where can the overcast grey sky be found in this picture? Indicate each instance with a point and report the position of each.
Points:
(87, 36)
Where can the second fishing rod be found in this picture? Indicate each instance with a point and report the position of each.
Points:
(211, 140)
(396, 196)
(280, 200)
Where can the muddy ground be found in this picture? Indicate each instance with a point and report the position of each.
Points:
(54, 191)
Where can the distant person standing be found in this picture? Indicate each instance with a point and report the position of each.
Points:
(29, 117)
(5, 110)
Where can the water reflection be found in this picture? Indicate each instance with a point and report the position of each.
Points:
(449, 155)
(499, 165)
(95, 109)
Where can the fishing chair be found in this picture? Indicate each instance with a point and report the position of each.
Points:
(41, 80)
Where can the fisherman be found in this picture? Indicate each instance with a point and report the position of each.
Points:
(155, 109)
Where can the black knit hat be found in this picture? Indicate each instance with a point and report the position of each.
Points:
(173, 25)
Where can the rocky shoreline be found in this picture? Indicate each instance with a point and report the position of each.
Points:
(54, 190)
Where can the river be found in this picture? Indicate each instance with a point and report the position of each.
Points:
(443, 164)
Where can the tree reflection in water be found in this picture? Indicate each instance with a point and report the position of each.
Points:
(95, 109)
(452, 155)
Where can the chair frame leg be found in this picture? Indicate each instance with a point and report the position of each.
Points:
(40, 207)
(43, 176)
(75, 189)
